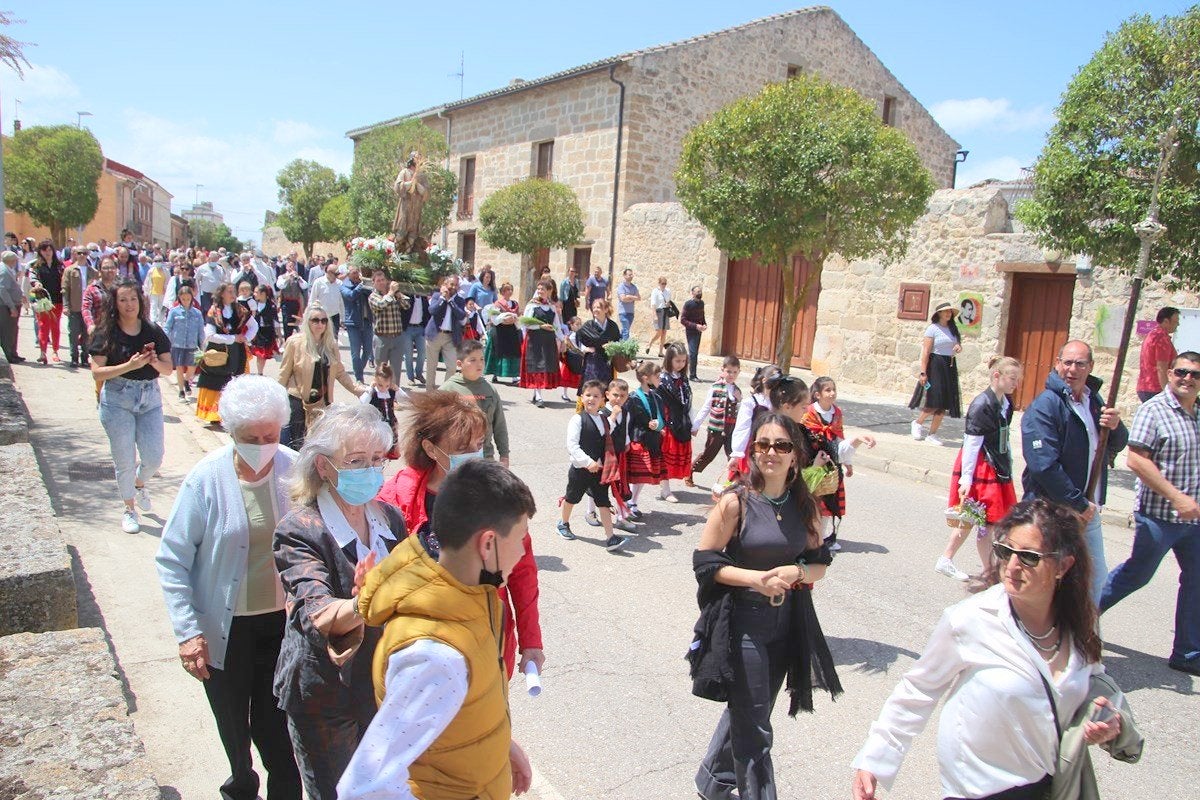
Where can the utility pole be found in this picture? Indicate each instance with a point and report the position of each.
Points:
(461, 72)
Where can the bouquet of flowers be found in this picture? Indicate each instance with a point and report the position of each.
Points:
(426, 268)
(370, 254)
(530, 322)
(968, 514)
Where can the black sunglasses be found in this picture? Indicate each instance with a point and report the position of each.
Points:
(1180, 372)
(320, 320)
(1028, 558)
(781, 446)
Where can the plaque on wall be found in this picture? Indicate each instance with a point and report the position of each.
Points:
(914, 301)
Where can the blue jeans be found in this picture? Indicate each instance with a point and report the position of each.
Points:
(626, 321)
(693, 345)
(1152, 538)
(360, 349)
(413, 339)
(131, 413)
(1093, 536)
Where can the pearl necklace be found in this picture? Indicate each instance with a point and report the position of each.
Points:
(1049, 652)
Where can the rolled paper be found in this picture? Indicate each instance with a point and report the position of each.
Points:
(533, 680)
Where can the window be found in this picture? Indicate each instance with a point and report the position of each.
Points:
(889, 110)
(466, 188)
(466, 246)
(544, 160)
(582, 260)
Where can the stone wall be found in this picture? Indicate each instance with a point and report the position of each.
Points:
(274, 243)
(674, 88)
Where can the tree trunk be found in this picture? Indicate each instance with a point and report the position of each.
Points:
(794, 298)
(58, 235)
(308, 248)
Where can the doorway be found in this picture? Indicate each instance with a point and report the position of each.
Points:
(1039, 324)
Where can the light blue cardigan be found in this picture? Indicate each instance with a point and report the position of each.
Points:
(202, 556)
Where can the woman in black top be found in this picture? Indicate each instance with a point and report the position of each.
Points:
(595, 333)
(48, 270)
(759, 555)
(128, 354)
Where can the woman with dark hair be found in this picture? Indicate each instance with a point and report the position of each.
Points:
(1020, 662)
(502, 353)
(937, 386)
(592, 336)
(443, 430)
(228, 325)
(128, 354)
(47, 269)
(539, 355)
(759, 555)
(483, 290)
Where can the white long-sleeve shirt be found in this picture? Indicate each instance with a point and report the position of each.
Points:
(328, 294)
(745, 421)
(996, 730)
(574, 428)
(424, 689)
(209, 276)
(211, 335)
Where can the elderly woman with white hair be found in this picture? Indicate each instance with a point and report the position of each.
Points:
(311, 363)
(222, 589)
(324, 547)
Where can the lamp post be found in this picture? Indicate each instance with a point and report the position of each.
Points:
(959, 157)
(79, 115)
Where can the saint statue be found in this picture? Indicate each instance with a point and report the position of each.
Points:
(412, 187)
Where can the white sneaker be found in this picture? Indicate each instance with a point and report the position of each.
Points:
(933, 440)
(129, 521)
(918, 431)
(834, 546)
(946, 567)
(142, 495)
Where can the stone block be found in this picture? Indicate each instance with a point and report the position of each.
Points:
(64, 721)
(5, 368)
(37, 586)
(14, 416)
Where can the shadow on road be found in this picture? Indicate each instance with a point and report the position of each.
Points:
(1134, 670)
(867, 655)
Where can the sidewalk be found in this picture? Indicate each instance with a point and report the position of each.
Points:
(886, 416)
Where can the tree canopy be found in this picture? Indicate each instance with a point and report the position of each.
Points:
(530, 215)
(212, 235)
(802, 169)
(336, 219)
(304, 189)
(378, 158)
(51, 174)
(1093, 179)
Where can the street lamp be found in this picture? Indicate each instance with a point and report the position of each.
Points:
(959, 157)
(79, 115)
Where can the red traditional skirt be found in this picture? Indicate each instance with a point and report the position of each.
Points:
(834, 503)
(537, 380)
(999, 496)
(641, 466)
(265, 351)
(676, 456)
(566, 377)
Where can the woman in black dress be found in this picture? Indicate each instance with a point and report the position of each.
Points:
(227, 328)
(539, 356)
(592, 337)
(502, 354)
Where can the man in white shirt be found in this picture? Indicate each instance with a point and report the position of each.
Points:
(209, 276)
(326, 292)
(442, 728)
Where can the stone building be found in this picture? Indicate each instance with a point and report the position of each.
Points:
(568, 126)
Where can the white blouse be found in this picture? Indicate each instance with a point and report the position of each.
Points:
(996, 730)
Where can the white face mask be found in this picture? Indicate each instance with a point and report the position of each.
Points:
(256, 456)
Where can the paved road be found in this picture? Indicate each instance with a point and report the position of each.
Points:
(616, 719)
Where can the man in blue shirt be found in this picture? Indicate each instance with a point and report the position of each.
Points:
(627, 296)
(597, 286)
(356, 319)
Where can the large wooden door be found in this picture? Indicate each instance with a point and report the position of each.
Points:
(753, 307)
(1039, 324)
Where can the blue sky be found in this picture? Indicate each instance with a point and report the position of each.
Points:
(224, 93)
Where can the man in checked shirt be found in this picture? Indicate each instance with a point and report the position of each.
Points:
(1164, 452)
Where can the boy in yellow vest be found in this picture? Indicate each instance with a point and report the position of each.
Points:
(442, 731)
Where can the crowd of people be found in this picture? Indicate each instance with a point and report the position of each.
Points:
(360, 632)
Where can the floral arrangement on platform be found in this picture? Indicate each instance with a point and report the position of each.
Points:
(968, 514)
(627, 348)
(370, 254)
(426, 268)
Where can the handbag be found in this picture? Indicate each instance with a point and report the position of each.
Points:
(214, 358)
(672, 309)
(821, 480)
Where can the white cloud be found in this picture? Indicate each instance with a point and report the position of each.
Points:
(292, 132)
(1004, 168)
(982, 113)
(48, 95)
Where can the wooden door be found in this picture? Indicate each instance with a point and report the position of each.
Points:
(1039, 324)
(752, 311)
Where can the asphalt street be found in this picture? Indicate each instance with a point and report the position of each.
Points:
(616, 718)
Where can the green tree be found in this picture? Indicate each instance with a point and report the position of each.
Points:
(336, 219)
(530, 215)
(802, 170)
(212, 235)
(51, 174)
(378, 158)
(1093, 179)
(304, 189)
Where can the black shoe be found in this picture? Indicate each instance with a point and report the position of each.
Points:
(1189, 665)
(74, 364)
(494, 380)
(182, 396)
(419, 380)
(615, 542)
(16, 360)
(540, 403)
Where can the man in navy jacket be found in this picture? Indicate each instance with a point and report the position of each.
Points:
(1059, 436)
(444, 331)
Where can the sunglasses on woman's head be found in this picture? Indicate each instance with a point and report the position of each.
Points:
(1028, 558)
(781, 446)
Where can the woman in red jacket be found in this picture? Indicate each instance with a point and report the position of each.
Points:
(443, 430)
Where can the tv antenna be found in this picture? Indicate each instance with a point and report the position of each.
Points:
(461, 73)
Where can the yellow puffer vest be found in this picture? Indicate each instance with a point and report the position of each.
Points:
(415, 598)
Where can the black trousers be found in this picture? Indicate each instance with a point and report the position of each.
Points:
(693, 345)
(77, 336)
(712, 445)
(288, 310)
(245, 709)
(8, 332)
(739, 755)
(297, 428)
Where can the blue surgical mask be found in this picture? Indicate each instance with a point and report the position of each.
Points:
(458, 459)
(359, 486)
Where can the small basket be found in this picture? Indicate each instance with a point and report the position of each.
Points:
(953, 520)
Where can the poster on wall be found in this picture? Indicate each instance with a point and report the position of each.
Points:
(970, 313)
(1110, 321)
